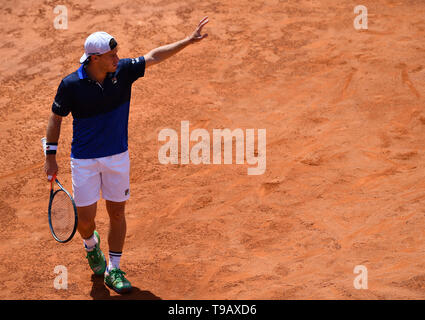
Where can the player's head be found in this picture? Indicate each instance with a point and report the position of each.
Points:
(100, 50)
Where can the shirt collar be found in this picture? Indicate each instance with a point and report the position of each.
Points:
(82, 74)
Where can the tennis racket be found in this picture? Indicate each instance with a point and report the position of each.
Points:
(63, 218)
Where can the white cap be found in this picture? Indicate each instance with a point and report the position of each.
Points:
(98, 43)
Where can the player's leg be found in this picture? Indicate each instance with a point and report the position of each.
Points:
(86, 188)
(91, 239)
(115, 190)
(86, 184)
(114, 276)
(86, 220)
(117, 225)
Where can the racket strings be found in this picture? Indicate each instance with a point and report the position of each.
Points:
(62, 215)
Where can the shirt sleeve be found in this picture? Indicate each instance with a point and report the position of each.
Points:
(135, 68)
(62, 103)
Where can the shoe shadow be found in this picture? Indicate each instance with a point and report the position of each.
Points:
(100, 291)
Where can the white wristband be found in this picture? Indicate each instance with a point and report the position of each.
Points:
(49, 148)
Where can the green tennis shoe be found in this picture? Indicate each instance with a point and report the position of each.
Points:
(96, 258)
(115, 280)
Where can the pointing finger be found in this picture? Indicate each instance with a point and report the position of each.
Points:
(202, 25)
(203, 22)
(203, 19)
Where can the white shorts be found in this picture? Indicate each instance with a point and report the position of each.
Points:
(110, 174)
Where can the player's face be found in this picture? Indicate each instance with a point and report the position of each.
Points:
(109, 60)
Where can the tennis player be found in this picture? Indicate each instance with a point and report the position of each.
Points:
(98, 97)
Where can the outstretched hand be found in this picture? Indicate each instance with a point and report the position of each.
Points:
(196, 35)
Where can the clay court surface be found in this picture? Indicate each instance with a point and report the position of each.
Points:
(345, 179)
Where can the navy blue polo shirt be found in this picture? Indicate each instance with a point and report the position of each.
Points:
(100, 112)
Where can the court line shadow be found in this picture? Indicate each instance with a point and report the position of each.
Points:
(100, 291)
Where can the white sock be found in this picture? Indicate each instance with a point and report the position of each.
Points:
(114, 260)
(90, 243)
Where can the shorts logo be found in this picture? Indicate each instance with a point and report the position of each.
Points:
(127, 192)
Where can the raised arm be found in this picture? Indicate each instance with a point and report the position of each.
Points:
(159, 54)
